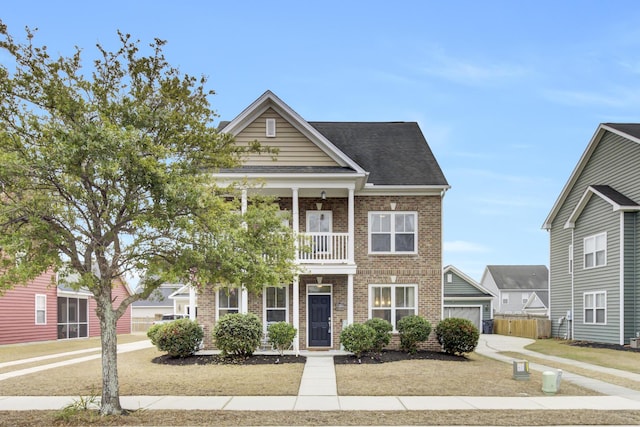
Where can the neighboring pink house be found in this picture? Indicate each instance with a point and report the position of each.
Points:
(42, 311)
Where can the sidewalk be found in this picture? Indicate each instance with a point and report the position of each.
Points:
(318, 391)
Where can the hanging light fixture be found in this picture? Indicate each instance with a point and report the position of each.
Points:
(323, 195)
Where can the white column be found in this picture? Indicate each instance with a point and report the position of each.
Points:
(350, 299)
(351, 226)
(192, 303)
(244, 295)
(296, 280)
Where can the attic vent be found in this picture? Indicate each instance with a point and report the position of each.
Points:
(271, 128)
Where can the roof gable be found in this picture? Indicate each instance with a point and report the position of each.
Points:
(629, 131)
(519, 277)
(617, 200)
(480, 290)
(268, 103)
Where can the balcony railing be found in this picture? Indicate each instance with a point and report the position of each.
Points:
(325, 248)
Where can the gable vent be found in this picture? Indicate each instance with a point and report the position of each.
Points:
(271, 128)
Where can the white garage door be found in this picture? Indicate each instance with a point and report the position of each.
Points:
(470, 313)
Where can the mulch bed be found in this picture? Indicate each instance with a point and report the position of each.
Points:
(386, 356)
(395, 356)
(256, 359)
(603, 345)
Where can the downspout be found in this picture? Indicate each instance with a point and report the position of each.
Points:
(621, 237)
(570, 322)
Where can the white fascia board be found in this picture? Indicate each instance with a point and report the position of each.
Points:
(270, 100)
(285, 180)
(403, 190)
(590, 191)
(478, 298)
(182, 290)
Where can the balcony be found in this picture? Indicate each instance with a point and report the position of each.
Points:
(323, 248)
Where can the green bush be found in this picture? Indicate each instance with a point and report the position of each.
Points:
(238, 334)
(180, 338)
(153, 332)
(281, 335)
(457, 336)
(383, 330)
(413, 329)
(358, 338)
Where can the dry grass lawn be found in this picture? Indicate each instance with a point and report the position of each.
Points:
(478, 376)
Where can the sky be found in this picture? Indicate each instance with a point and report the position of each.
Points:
(507, 93)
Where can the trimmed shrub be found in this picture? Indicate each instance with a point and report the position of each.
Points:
(180, 338)
(457, 336)
(238, 334)
(383, 330)
(281, 335)
(413, 329)
(153, 331)
(358, 338)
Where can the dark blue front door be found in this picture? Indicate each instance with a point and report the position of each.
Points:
(319, 320)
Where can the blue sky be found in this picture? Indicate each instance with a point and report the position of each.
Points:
(507, 93)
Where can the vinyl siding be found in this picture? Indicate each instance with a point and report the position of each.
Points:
(119, 292)
(17, 312)
(596, 218)
(461, 287)
(614, 163)
(631, 297)
(294, 149)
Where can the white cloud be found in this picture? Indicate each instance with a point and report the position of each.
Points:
(464, 246)
(615, 98)
(473, 73)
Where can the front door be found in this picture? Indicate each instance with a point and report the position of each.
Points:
(319, 320)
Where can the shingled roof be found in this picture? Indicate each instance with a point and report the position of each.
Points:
(394, 153)
(525, 277)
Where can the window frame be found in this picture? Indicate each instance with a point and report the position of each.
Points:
(504, 297)
(393, 307)
(595, 251)
(266, 308)
(392, 233)
(594, 308)
(228, 307)
(41, 308)
(525, 297)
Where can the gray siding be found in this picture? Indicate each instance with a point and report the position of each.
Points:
(613, 162)
(631, 294)
(596, 218)
(460, 287)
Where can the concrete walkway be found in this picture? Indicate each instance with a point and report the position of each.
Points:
(318, 390)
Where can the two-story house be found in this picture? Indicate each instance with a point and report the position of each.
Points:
(518, 289)
(595, 242)
(366, 197)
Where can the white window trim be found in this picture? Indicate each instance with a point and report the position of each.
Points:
(238, 290)
(270, 125)
(525, 299)
(392, 232)
(594, 308)
(393, 299)
(42, 308)
(584, 254)
(504, 298)
(265, 308)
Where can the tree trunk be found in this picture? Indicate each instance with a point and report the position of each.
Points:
(110, 386)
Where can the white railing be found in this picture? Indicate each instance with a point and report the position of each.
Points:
(323, 247)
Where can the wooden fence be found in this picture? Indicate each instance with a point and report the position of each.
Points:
(523, 327)
(141, 324)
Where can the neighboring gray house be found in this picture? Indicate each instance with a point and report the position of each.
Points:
(160, 302)
(514, 287)
(465, 298)
(594, 241)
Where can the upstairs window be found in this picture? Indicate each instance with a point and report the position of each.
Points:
(595, 307)
(505, 298)
(595, 250)
(392, 232)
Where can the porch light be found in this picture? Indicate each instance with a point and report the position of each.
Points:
(323, 195)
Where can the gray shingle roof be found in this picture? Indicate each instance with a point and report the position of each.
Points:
(159, 297)
(394, 153)
(615, 196)
(632, 129)
(527, 277)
